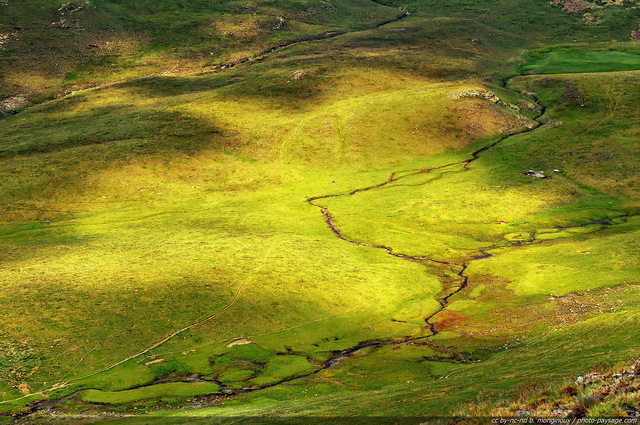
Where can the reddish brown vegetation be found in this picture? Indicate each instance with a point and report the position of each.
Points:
(574, 6)
(449, 320)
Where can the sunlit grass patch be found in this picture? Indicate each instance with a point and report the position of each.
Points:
(177, 389)
(570, 265)
(587, 59)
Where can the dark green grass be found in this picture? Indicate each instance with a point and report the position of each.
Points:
(535, 22)
(52, 45)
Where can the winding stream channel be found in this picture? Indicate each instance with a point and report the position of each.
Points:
(459, 268)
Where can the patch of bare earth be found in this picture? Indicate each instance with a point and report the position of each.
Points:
(580, 6)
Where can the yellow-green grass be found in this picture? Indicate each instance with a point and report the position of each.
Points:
(578, 264)
(179, 389)
(174, 200)
(117, 278)
(162, 223)
(458, 209)
(181, 238)
(222, 130)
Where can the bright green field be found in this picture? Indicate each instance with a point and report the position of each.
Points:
(179, 389)
(565, 60)
(184, 275)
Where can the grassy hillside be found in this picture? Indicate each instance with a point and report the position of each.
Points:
(594, 395)
(181, 234)
(51, 47)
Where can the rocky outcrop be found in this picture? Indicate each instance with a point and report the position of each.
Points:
(4, 39)
(12, 104)
(487, 95)
(596, 394)
(595, 377)
(536, 174)
(471, 93)
(579, 6)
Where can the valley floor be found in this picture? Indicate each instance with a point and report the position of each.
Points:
(368, 223)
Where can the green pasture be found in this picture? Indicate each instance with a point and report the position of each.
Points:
(177, 389)
(390, 382)
(146, 234)
(181, 257)
(572, 60)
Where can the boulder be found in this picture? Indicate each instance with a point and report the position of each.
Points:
(536, 174)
